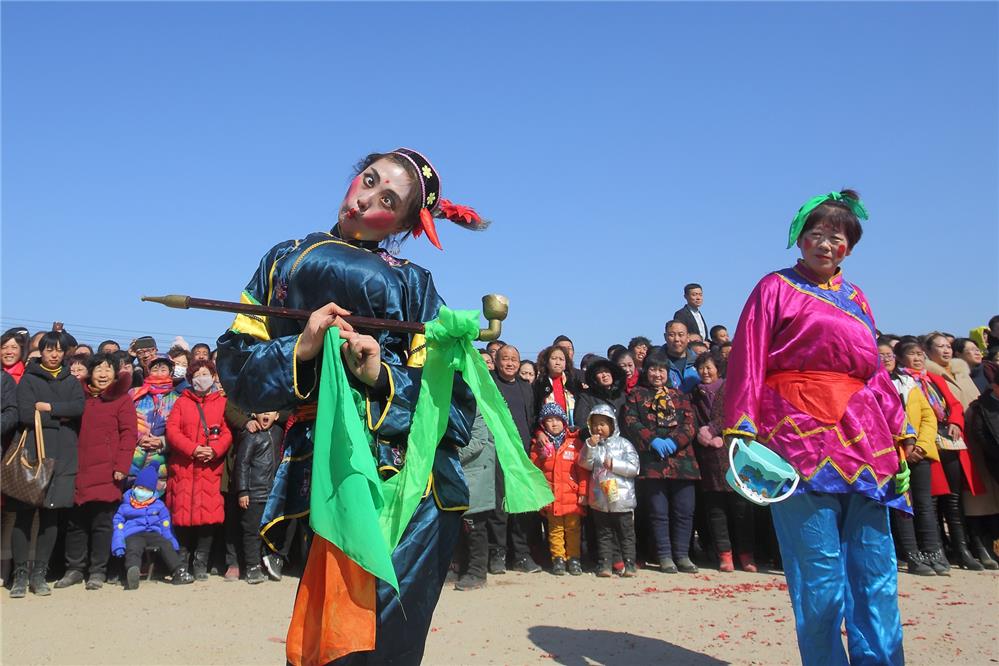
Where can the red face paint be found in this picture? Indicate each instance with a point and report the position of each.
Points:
(841, 251)
(378, 220)
(355, 185)
(808, 244)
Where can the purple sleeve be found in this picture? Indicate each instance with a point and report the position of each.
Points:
(747, 364)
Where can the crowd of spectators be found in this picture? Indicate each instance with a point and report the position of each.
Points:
(153, 465)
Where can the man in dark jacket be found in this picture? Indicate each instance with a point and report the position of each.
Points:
(690, 314)
(256, 464)
(520, 399)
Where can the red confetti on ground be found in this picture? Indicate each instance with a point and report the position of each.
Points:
(920, 638)
(728, 591)
(910, 623)
(722, 636)
(780, 619)
(276, 639)
(434, 630)
(956, 603)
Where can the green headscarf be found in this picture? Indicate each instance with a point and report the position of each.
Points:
(798, 223)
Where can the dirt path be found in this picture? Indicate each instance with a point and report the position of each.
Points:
(518, 619)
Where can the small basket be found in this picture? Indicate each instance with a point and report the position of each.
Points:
(759, 474)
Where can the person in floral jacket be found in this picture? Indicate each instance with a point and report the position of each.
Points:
(659, 421)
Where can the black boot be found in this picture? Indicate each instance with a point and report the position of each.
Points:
(181, 576)
(937, 560)
(918, 566)
(37, 582)
(959, 533)
(497, 562)
(19, 582)
(200, 566)
(983, 554)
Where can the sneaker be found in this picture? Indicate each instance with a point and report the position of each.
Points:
(667, 565)
(36, 581)
(918, 566)
(19, 583)
(526, 565)
(630, 569)
(232, 573)
(558, 566)
(497, 564)
(72, 577)
(574, 567)
(938, 561)
(686, 566)
(96, 581)
(181, 576)
(618, 566)
(200, 566)
(467, 583)
(132, 578)
(604, 570)
(272, 565)
(255, 575)
(725, 563)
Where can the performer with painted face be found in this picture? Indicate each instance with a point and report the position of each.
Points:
(268, 364)
(805, 380)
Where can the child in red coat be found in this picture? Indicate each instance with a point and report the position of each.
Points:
(557, 453)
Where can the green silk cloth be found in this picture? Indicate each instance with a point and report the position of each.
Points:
(366, 517)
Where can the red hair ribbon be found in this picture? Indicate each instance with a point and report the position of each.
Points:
(458, 213)
(427, 224)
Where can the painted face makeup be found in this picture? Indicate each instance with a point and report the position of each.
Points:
(374, 203)
(823, 248)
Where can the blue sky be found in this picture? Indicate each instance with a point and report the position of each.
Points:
(622, 150)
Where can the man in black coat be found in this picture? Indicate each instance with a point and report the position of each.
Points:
(690, 314)
(523, 527)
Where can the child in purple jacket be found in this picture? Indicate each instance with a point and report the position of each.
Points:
(143, 521)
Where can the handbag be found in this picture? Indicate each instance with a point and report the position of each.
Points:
(21, 479)
(947, 444)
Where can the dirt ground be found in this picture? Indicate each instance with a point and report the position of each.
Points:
(706, 619)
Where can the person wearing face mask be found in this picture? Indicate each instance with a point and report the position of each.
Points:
(154, 400)
(108, 431)
(199, 439)
(47, 387)
(181, 359)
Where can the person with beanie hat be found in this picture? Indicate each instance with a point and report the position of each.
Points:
(143, 521)
(557, 455)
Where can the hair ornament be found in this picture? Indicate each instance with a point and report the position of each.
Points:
(798, 223)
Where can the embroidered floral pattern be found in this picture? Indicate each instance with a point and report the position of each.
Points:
(428, 173)
(431, 198)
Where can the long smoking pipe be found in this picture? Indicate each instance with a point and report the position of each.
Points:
(494, 307)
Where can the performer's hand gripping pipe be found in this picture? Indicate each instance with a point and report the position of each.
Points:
(494, 307)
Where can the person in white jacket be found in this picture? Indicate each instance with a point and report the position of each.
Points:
(613, 462)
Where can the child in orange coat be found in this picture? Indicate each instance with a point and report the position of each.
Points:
(557, 454)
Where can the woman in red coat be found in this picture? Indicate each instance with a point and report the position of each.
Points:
(198, 438)
(108, 432)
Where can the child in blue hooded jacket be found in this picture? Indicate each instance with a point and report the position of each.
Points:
(143, 521)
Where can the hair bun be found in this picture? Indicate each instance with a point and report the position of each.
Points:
(853, 194)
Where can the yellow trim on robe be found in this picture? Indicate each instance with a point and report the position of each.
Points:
(294, 373)
(255, 325)
(263, 530)
(388, 404)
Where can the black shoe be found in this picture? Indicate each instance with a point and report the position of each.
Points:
(181, 576)
(938, 561)
(667, 565)
(96, 581)
(574, 567)
(200, 566)
(966, 560)
(558, 566)
(630, 569)
(983, 554)
(918, 566)
(467, 583)
(72, 577)
(604, 570)
(132, 578)
(19, 583)
(497, 564)
(255, 575)
(526, 565)
(36, 582)
(684, 565)
(273, 565)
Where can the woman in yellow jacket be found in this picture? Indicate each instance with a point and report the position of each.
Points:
(918, 536)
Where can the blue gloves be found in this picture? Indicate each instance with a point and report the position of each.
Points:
(664, 447)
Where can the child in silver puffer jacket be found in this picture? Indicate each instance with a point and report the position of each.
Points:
(614, 465)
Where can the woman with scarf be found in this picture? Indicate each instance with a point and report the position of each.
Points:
(272, 364)
(47, 388)
(154, 401)
(107, 439)
(659, 421)
(726, 511)
(555, 381)
(626, 361)
(956, 471)
(804, 379)
(14, 351)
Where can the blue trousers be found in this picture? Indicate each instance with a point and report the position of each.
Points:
(839, 561)
(671, 515)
